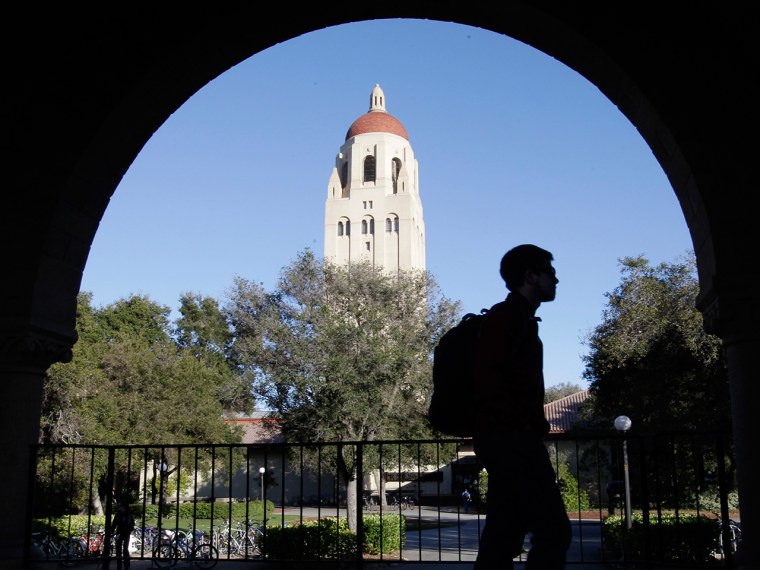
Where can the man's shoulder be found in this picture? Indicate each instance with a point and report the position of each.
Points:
(506, 308)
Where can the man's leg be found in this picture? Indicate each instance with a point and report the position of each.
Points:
(548, 519)
(504, 532)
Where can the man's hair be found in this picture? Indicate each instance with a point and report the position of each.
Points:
(520, 259)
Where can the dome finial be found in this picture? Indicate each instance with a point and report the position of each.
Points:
(377, 100)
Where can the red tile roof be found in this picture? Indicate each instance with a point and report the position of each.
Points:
(258, 429)
(562, 413)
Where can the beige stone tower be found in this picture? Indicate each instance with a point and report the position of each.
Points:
(373, 209)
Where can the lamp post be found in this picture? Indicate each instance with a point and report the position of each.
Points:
(162, 468)
(262, 470)
(623, 424)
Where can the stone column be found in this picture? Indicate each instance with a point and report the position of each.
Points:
(734, 315)
(24, 360)
(744, 372)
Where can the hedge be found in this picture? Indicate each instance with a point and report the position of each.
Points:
(71, 525)
(203, 511)
(686, 538)
(331, 539)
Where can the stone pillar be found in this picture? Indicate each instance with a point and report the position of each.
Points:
(744, 373)
(23, 363)
(734, 315)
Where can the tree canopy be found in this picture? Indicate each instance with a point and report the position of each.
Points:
(341, 353)
(561, 390)
(650, 357)
(130, 383)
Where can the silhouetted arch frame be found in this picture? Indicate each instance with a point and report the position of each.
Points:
(87, 89)
(109, 136)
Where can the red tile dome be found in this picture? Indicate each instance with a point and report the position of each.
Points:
(377, 122)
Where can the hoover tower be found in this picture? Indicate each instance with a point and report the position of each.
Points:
(373, 210)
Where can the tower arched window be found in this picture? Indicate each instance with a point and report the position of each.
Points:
(395, 171)
(388, 225)
(369, 169)
(395, 225)
(348, 228)
(340, 228)
(344, 174)
(372, 226)
(364, 226)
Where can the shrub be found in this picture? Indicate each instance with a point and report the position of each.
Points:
(575, 499)
(69, 525)
(709, 500)
(687, 538)
(384, 534)
(232, 511)
(222, 510)
(326, 538)
(329, 538)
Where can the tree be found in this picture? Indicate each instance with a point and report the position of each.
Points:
(341, 353)
(202, 331)
(129, 383)
(561, 390)
(651, 359)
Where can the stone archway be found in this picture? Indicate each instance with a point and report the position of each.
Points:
(81, 114)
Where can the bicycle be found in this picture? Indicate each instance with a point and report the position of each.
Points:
(239, 541)
(734, 534)
(144, 540)
(53, 547)
(371, 503)
(408, 503)
(191, 545)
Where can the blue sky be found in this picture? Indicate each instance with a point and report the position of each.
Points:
(513, 147)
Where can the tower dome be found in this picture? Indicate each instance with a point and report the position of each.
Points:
(377, 119)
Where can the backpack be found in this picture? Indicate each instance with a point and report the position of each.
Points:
(452, 406)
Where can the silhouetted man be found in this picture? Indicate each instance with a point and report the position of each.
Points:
(123, 524)
(523, 495)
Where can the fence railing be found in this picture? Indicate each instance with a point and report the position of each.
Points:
(377, 501)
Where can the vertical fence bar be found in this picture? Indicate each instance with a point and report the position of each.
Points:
(31, 478)
(644, 497)
(359, 462)
(109, 501)
(728, 554)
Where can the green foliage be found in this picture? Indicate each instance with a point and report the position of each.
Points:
(559, 391)
(575, 499)
(69, 526)
(384, 534)
(341, 352)
(331, 539)
(129, 382)
(234, 512)
(684, 538)
(326, 538)
(482, 486)
(651, 359)
(709, 500)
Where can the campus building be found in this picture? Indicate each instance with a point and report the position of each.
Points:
(373, 210)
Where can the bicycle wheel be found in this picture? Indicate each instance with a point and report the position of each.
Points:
(205, 556)
(165, 555)
(71, 552)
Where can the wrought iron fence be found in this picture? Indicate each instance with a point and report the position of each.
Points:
(377, 501)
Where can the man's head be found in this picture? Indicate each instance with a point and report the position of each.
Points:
(527, 269)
